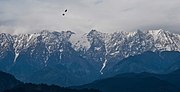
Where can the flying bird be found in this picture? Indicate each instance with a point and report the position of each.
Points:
(65, 10)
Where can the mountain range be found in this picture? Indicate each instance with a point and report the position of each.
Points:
(66, 58)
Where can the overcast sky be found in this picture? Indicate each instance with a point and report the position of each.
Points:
(29, 16)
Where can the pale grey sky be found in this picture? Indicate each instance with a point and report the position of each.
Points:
(28, 16)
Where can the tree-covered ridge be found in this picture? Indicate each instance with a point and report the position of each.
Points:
(45, 88)
(8, 83)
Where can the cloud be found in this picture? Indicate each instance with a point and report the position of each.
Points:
(28, 16)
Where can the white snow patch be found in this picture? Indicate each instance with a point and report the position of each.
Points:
(60, 56)
(114, 53)
(46, 60)
(130, 34)
(16, 56)
(104, 65)
(115, 44)
(97, 48)
(80, 42)
(105, 61)
(155, 33)
(61, 50)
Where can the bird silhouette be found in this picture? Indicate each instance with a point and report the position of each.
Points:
(65, 10)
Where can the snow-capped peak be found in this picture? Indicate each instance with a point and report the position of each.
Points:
(52, 40)
(80, 42)
(100, 47)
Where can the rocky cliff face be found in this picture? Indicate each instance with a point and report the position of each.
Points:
(57, 57)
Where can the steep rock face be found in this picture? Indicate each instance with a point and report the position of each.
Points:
(108, 49)
(6, 51)
(57, 57)
(46, 57)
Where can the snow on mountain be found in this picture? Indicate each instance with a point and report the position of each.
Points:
(52, 40)
(6, 42)
(80, 43)
(102, 48)
(79, 58)
(165, 40)
(119, 45)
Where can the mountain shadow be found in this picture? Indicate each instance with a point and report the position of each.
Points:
(138, 82)
(9, 83)
(45, 88)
